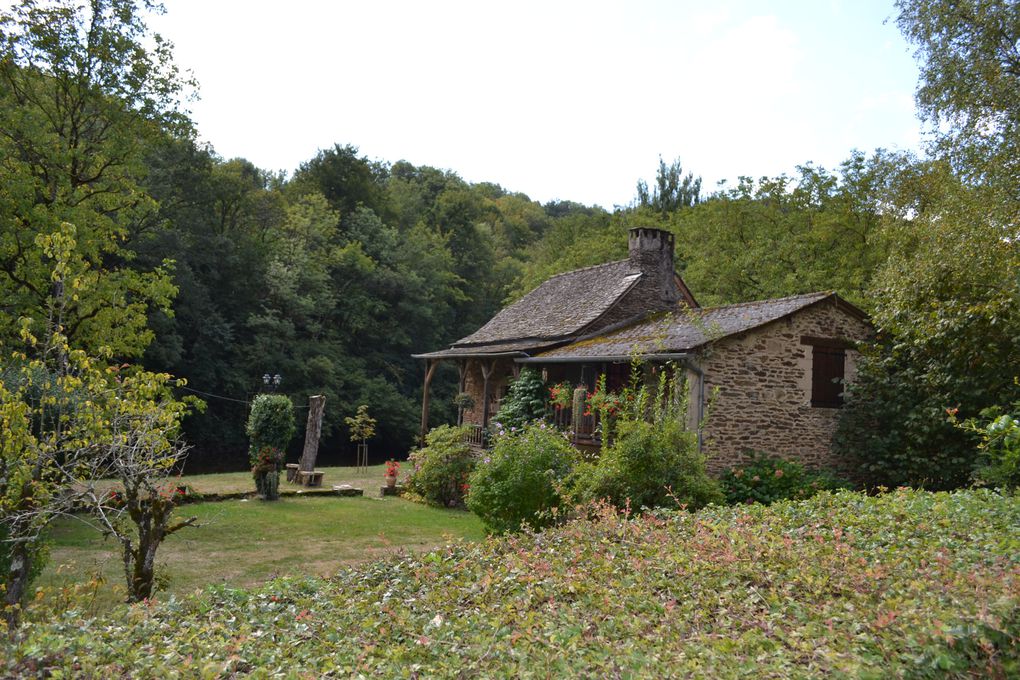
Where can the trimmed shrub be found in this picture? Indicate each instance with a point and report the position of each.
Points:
(766, 479)
(648, 465)
(519, 481)
(442, 468)
(271, 422)
(270, 428)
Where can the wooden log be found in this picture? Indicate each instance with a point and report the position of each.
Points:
(316, 405)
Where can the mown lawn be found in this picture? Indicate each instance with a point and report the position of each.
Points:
(908, 584)
(368, 478)
(243, 543)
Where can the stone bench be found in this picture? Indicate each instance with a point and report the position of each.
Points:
(347, 490)
(310, 479)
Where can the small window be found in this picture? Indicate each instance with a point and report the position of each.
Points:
(827, 373)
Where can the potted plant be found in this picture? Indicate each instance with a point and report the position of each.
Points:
(392, 468)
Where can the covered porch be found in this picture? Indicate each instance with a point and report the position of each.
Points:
(484, 378)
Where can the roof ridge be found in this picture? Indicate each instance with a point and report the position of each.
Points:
(824, 293)
(584, 269)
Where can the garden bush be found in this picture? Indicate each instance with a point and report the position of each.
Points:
(766, 479)
(518, 482)
(441, 469)
(270, 428)
(648, 465)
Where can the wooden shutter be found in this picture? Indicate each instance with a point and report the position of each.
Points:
(828, 365)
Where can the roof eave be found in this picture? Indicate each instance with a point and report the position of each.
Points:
(575, 359)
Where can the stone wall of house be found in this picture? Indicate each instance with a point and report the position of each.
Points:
(762, 390)
(502, 372)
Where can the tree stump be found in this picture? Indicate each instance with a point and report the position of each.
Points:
(316, 405)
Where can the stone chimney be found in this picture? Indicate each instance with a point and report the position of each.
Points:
(651, 253)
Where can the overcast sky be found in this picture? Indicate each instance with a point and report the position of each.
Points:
(559, 100)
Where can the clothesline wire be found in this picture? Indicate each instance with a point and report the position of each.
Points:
(220, 396)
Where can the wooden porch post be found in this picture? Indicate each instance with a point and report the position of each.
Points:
(430, 370)
(487, 369)
(462, 370)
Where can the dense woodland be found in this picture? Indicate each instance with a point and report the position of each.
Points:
(217, 271)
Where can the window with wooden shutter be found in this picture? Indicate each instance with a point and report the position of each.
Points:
(827, 372)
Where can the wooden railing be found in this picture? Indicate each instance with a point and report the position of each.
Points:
(477, 436)
(585, 432)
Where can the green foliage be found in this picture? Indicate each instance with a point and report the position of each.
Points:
(524, 402)
(673, 190)
(362, 426)
(271, 422)
(442, 467)
(969, 91)
(946, 298)
(518, 482)
(767, 479)
(648, 465)
(84, 89)
(270, 428)
(999, 435)
(778, 236)
(652, 459)
(748, 591)
(946, 305)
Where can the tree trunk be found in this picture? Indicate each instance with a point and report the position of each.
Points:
(16, 582)
(316, 405)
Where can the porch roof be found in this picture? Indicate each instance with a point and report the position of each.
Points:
(521, 348)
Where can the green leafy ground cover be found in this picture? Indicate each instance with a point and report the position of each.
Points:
(906, 584)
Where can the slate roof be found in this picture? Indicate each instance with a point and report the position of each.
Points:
(562, 306)
(686, 330)
(519, 348)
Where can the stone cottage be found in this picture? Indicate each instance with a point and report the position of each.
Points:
(772, 372)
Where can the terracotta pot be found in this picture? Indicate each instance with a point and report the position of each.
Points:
(391, 480)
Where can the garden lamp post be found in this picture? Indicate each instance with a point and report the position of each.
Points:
(272, 381)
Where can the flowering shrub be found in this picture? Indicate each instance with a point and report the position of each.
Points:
(519, 480)
(266, 472)
(561, 396)
(766, 479)
(442, 467)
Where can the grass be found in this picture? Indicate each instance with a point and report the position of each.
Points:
(368, 478)
(243, 543)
